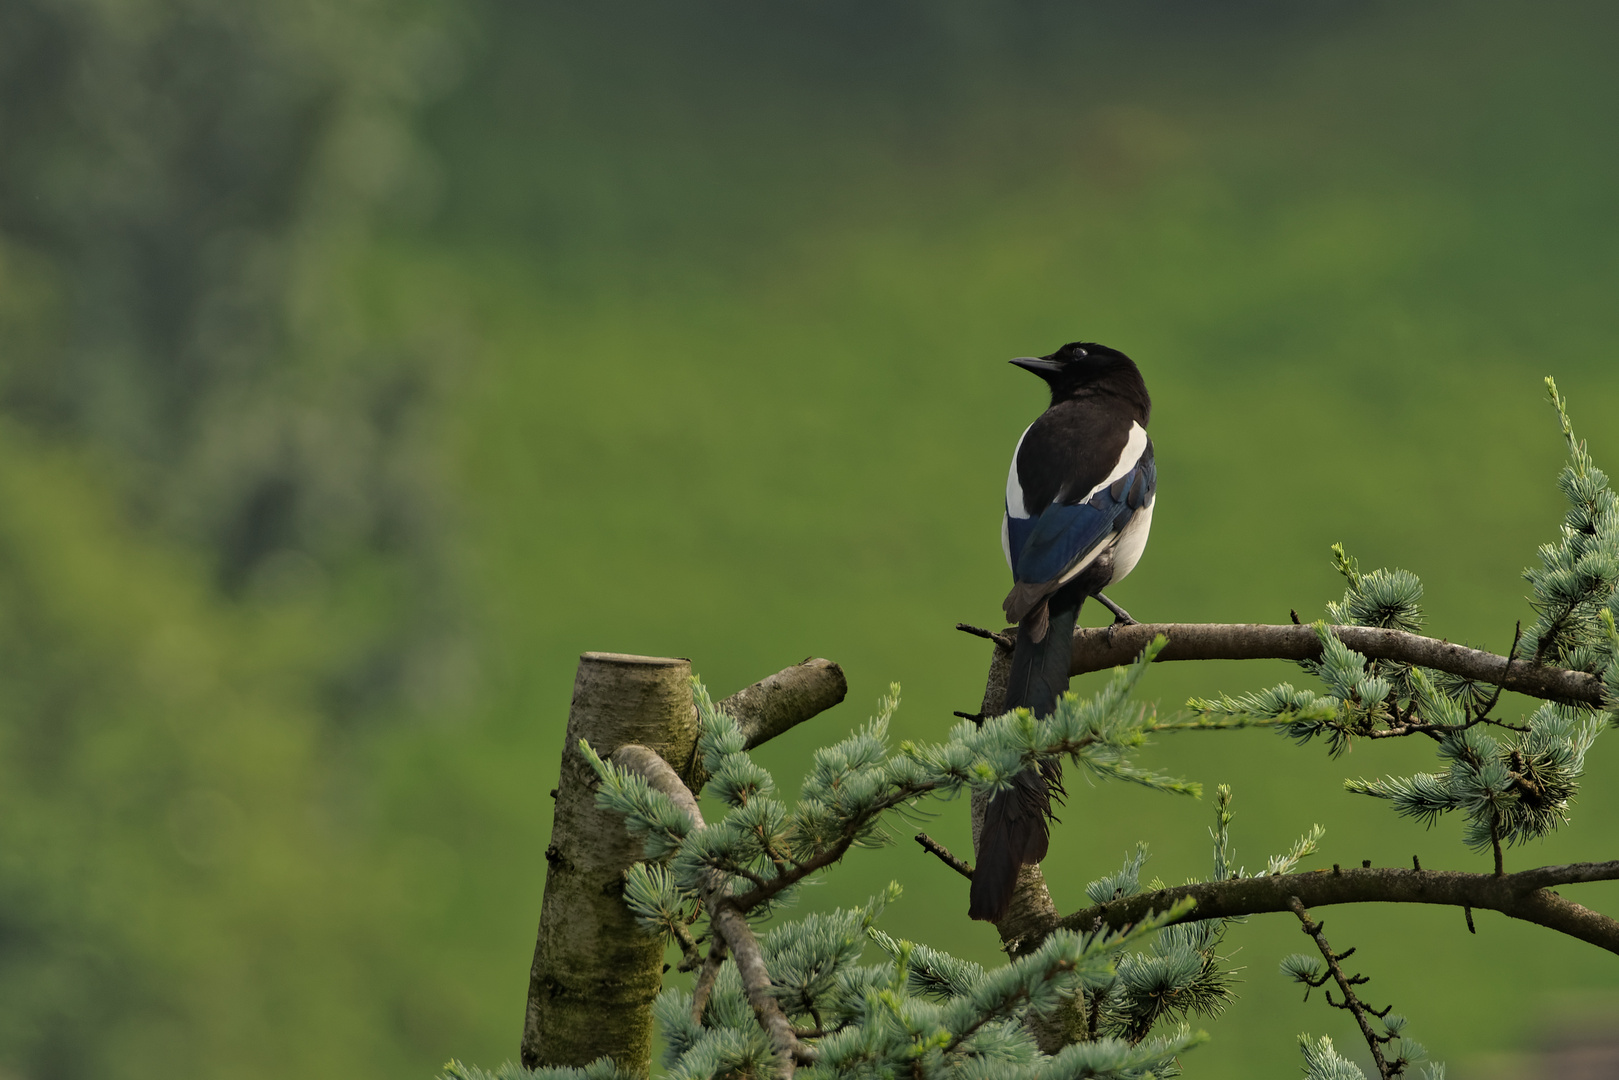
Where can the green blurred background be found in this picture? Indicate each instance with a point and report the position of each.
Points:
(364, 361)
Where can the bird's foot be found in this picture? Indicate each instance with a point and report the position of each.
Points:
(1121, 617)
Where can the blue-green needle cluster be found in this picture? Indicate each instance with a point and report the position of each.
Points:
(1323, 1062)
(1512, 780)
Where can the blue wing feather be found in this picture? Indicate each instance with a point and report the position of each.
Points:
(1045, 546)
(1018, 531)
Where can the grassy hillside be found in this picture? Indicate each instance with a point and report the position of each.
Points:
(682, 330)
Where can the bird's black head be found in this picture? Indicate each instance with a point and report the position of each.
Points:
(1084, 369)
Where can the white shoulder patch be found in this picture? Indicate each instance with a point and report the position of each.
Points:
(1014, 490)
(1134, 446)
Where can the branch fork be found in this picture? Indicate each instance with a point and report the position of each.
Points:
(727, 921)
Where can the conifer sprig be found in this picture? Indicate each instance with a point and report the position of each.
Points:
(764, 848)
(1392, 1052)
(1323, 1062)
(1512, 780)
(1578, 573)
(1182, 972)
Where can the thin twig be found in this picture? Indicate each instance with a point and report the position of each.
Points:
(1512, 653)
(1439, 731)
(1002, 639)
(690, 955)
(932, 845)
(705, 978)
(1345, 986)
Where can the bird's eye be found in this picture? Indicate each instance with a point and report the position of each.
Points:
(1080, 352)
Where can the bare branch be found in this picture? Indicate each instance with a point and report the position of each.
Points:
(1097, 649)
(786, 699)
(932, 845)
(1526, 895)
(1345, 984)
(707, 977)
(1003, 638)
(691, 955)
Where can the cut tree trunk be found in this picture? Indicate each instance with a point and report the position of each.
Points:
(595, 972)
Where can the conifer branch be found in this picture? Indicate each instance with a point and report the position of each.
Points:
(767, 888)
(750, 964)
(1101, 648)
(1525, 895)
(1346, 985)
(731, 929)
(659, 776)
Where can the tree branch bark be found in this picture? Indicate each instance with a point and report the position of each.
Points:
(1032, 912)
(1097, 649)
(786, 699)
(1526, 896)
(777, 704)
(727, 921)
(660, 776)
(1032, 909)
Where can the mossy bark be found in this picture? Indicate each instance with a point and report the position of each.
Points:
(596, 973)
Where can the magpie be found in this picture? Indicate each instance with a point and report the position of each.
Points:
(1079, 500)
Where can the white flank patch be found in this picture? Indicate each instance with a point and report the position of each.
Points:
(1126, 546)
(1006, 540)
(1085, 561)
(1132, 542)
(1134, 446)
(1014, 490)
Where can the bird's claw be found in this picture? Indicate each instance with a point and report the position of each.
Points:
(1121, 617)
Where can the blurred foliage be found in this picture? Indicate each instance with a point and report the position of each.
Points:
(218, 527)
(341, 343)
(185, 188)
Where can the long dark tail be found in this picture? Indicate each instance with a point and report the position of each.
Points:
(1016, 829)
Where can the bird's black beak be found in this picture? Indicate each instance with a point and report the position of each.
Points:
(1039, 365)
